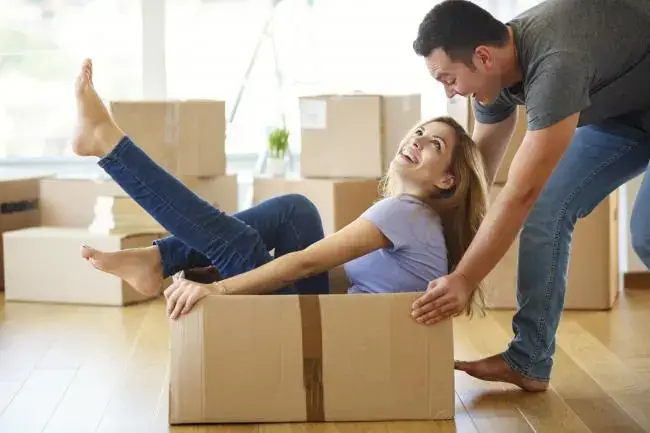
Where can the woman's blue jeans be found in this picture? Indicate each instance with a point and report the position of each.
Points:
(203, 235)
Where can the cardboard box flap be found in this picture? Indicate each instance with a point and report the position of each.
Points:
(309, 358)
(379, 364)
(238, 359)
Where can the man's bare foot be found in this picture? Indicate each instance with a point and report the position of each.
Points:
(496, 369)
(140, 267)
(96, 133)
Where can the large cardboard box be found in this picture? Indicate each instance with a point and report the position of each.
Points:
(339, 201)
(56, 193)
(593, 280)
(460, 108)
(19, 208)
(185, 137)
(353, 135)
(44, 264)
(281, 358)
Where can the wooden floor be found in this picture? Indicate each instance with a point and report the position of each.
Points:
(94, 369)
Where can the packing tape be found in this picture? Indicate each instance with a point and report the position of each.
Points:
(172, 120)
(312, 356)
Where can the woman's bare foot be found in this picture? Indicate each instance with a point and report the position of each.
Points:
(140, 267)
(96, 133)
(496, 369)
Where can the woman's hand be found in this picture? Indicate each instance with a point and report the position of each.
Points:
(183, 294)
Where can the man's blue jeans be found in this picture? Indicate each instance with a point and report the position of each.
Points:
(600, 159)
(203, 235)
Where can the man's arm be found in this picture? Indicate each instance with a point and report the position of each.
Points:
(531, 167)
(493, 139)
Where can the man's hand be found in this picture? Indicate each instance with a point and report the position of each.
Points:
(446, 296)
(183, 294)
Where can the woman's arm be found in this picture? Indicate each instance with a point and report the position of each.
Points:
(354, 240)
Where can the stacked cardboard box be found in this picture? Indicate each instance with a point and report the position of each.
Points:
(593, 279)
(347, 144)
(186, 138)
(19, 208)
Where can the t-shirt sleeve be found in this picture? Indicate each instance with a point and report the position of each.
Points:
(499, 110)
(558, 87)
(390, 216)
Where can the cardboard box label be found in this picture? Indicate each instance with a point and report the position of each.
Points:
(313, 114)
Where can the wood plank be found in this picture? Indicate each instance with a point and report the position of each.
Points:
(595, 408)
(73, 369)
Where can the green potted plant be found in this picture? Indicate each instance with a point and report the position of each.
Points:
(278, 142)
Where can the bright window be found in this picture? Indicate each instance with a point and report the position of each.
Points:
(42, 44)
(202, 49)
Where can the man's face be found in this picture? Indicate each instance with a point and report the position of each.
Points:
(460, 79)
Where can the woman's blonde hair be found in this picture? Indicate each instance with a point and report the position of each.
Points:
(464, 206)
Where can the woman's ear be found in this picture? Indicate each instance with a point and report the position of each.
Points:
(447, 182)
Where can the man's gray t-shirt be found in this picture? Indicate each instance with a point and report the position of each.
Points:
(588, 56)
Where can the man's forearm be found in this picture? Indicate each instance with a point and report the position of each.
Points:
(492, 157)
(498, 231)
(493, 141)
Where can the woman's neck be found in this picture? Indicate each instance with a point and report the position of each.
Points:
(405, 188)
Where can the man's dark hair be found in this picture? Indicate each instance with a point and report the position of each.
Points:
(458, 27)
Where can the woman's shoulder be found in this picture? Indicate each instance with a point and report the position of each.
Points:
(404, 211)
(404, 203)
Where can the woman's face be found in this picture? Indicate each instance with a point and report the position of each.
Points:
(424, 157)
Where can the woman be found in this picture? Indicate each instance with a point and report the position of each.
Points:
(434, 199)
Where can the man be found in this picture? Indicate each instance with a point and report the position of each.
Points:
(581, 69)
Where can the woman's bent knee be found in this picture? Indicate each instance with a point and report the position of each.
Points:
(301, 204)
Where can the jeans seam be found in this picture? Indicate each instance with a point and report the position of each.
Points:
(118, 151)
(516, 368)
(556, 248)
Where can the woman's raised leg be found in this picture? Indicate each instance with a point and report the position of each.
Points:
(286, 223)
(232, 246)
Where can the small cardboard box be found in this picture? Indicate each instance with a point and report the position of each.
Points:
(220, 191)
(460, 108)
(285, 358)
(353, 135)
(19, 208)
(186, 137)
(44, 264)
(593, 279)
(339, 201)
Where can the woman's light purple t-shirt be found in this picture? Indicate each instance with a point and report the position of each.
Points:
(417, 255)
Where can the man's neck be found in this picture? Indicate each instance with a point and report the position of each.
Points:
(511, 72)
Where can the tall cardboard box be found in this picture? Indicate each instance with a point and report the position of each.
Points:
(460, 108)
(185, 137)
(55, 192)
(593, 280)
(19, 208)
(353, 135)
(339, 201)
(62, 275)
(286, 358)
